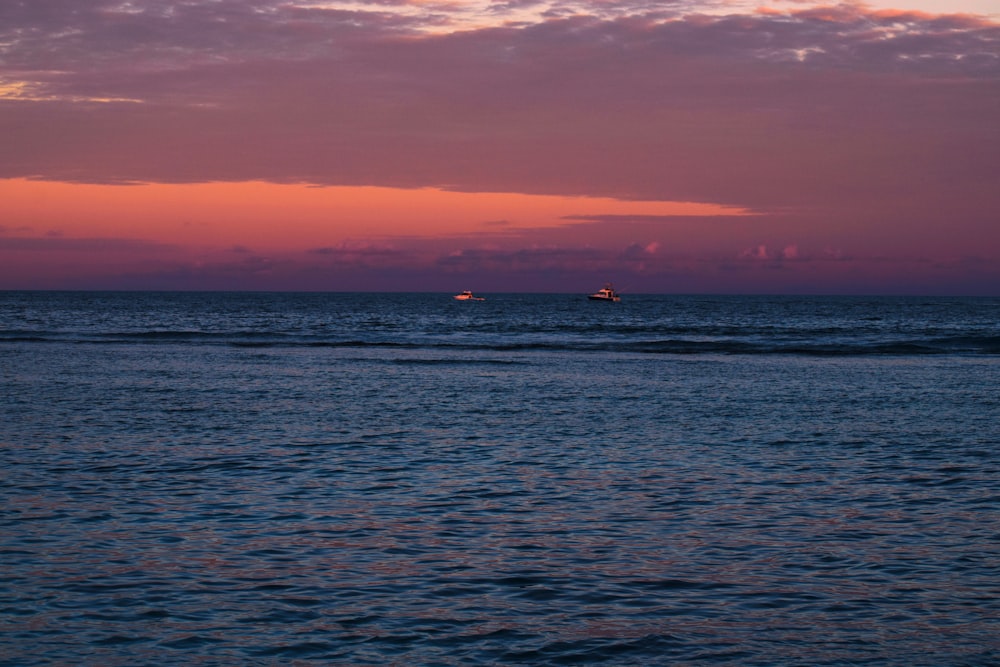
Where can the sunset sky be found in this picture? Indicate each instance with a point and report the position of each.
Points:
(672, 147)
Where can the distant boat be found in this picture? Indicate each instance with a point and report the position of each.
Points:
(606, 293)
(468, 296)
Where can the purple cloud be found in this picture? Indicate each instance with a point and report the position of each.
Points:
(755, 110)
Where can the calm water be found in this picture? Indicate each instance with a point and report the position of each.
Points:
(370, 479)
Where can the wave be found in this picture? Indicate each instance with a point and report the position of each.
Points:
(987, 346)
(708, 343)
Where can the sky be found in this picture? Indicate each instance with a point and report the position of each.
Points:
(724, 146)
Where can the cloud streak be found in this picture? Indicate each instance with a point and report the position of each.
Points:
(79, 245)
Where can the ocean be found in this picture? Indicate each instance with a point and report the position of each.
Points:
(405, 479)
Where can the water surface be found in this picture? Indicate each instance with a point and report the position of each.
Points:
(260, 479)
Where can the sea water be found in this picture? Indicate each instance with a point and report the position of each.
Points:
(405, 479)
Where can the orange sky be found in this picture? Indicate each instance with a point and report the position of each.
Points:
(284, 218)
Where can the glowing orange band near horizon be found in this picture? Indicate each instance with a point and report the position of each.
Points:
(293, 216)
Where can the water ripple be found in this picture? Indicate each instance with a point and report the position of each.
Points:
(195, 504)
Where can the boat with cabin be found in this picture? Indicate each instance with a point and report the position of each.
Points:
(467, 295)
(606, 293)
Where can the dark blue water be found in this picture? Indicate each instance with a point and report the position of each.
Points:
(369, 479)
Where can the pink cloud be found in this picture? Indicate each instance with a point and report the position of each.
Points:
(757, 253)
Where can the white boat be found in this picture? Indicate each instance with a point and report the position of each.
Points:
(468, 296)
(606, 293)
